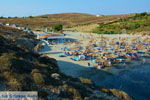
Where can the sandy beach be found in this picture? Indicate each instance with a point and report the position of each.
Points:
(83, 39)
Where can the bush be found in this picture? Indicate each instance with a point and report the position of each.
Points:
(38, 78)
(141, 14)
(85, 81)
(57, 28)
(133, 26)
(15, 17)
(9, 17)
(31, 17)
(8, 75)
(6, 61)
(2, 17)
(12, 81)
(72, 90)
(107, 32)
(14, 84)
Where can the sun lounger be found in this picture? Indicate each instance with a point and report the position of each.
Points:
(60, 55)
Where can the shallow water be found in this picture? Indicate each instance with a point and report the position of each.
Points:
(133, 78)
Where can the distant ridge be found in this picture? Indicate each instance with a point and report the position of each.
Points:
(67, 19)
(65, 14)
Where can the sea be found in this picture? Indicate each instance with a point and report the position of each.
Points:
(133, 77)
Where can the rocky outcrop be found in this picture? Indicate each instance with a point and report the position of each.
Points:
(23, 70)
(38, 47)
(21, 39)
(120, 94)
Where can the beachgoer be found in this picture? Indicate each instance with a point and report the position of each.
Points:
(89, 64)
(65, 48)
(143, 60)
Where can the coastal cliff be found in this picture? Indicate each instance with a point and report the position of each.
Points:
(23, 70)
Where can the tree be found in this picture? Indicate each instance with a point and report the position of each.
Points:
(2, 17)
(31, 17)
(141, 14)
(57, 28)
(15, 17)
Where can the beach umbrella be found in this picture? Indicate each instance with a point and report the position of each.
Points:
(140, 51)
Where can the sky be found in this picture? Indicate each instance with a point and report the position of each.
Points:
(22, 8)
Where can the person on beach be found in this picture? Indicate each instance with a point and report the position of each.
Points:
(64, 48)
(143, 61)
(89, 64)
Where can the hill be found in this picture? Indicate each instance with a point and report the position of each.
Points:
(67, 19)
(140, 23)
(21, 69)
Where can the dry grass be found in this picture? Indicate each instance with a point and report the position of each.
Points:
(6, 61)
(85, 28)
(85, 81)
(67, 19)
(120, 94)
(72, 90)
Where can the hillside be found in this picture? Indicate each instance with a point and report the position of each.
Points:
(23, 70)
(140, 23)
(67, 19)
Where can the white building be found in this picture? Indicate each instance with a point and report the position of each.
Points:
(7, 24)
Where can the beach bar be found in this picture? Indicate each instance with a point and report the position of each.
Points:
(51, 37)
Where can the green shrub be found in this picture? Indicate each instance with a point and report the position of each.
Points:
(11, 80)
(31, 17)
(107, 32)
(141, 14)
(6, 61)
(57, 28)
(131, 24)
(9, 17)
(38, 78)
(14, 84)
(2, 17)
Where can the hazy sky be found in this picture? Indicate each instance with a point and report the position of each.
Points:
(38, 7)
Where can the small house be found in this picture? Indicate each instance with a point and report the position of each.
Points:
(7, 24)
(58, 38)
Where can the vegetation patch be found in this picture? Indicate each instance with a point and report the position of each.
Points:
(6, 61)
(120, 94)
(38, 78)
(85, 81)
(138, 23)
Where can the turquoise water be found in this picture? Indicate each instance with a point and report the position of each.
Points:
(133, 78)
